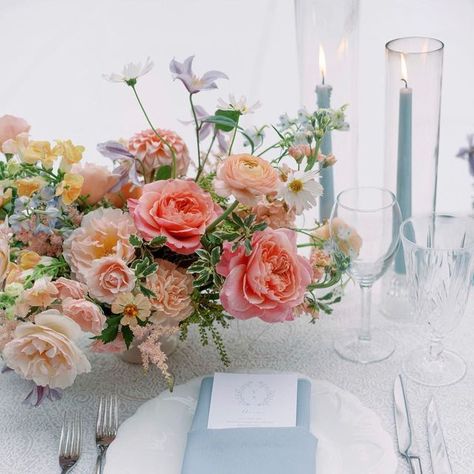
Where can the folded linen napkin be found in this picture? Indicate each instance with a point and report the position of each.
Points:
(250, 450)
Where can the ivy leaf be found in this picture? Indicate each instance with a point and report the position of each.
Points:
(158, 241)
(215, 255)
(135, 240)
(147, 292)
(163, 172)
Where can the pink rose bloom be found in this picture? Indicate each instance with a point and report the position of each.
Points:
(103, 232)
(153, 153)
(45, 351)
(70, 289)
(87, 314)
(98, 181)
(275, 213)
(42, 293)
(11, 126)
(117, 345)
(172, 287)
(246, 177)
(108, 277)
(178, 209)
(270, 282)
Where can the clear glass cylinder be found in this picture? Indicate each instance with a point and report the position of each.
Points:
(414, 71)
(327, 34)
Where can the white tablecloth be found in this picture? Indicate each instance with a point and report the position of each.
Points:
(29, 436)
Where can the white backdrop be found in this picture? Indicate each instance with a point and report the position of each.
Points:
(53, 53)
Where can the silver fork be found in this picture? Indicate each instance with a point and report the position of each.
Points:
(70, 442)
(106, 429)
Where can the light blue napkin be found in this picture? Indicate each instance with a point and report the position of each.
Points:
(250, 450)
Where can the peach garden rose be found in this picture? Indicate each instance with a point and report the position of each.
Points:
(103, 232)
(270, 282)
(85, 313)
(11, 127)
(246, 177)
(177, 209)
(45, 351)
(108, 277)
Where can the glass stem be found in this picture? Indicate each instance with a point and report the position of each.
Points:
(436, 347)
(364, 333)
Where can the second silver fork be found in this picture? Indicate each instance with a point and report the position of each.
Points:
(106, 428)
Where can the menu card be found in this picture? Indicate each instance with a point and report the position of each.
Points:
(253, 401)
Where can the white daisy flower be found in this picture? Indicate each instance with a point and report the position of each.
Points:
(238, 105)
(131, 72)
(301, 189)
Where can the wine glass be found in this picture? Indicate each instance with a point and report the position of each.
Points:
(365, 224)
(439, 257)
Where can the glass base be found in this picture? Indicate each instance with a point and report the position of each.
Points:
(380, 346)
(394, 303)
(447, 369)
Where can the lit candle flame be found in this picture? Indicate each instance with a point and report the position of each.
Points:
(403, 66)
(322, 62)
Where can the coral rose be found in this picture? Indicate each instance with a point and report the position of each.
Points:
(246, 177)
(70, 289)
(172, 287)
(85, 313)
(115, 346)
(109, 276)
(45, 351)
(11, 126)
(270, 282)
(103, 232)
(98, 180)
(178, 209)
(153, 153)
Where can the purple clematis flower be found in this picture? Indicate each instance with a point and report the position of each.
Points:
(39, 393)
(184, 72)
(468, 153)
(127, 168)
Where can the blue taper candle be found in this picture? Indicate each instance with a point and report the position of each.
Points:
(404, 172)
(323, 93)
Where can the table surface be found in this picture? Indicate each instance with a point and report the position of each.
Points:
(29, 436)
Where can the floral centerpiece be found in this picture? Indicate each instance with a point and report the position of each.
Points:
(160, 243)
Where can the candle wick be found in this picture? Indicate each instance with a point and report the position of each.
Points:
(322, 74)
(405, 82)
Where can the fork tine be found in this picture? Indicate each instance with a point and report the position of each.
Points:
(67, 447)
(100, 416)
(116, 414)
(110, 428)
(62, 439)
(76, 447)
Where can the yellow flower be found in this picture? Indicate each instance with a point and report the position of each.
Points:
(39, 151)
(71, 153)
(70, 188)
(28, 186)
(29, 259)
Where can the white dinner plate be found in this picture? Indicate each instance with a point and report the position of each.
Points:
(351, 439)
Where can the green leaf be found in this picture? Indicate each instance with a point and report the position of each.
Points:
(110, 332)
(203, 254)
(215, 255)
(158, 241)
(163, 172)
(127, 335)
(225, 120)
(248, 247)
(135, 240)
(147, 292)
